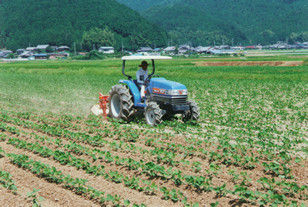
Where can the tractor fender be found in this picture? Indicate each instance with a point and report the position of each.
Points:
(134, 90)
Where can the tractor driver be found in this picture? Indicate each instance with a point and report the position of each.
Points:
(142, 75)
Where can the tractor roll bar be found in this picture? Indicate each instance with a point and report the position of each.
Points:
(123, 71)
(153, 65)
(130, 77)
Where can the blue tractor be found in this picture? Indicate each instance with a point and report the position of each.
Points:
(163, 98)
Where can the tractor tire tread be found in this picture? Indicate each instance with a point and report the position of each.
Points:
(193, 114)
(127, 111)
(157, 111)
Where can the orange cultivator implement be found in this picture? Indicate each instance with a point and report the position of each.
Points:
(102, 107)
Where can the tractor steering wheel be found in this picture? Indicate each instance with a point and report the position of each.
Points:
(147, 80)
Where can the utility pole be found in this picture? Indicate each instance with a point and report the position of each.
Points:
(122, 45)
(75, 48)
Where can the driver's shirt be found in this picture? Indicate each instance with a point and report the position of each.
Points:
(141, 76)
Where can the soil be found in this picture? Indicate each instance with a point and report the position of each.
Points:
(7, 198)
(250, 63)
(56, 195)
(52, 194)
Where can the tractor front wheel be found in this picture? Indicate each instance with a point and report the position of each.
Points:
(153, 114)
(193, 113)
(121, 104)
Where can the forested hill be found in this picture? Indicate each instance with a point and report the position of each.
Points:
(142, 5)
(227, 21)
(57, 22)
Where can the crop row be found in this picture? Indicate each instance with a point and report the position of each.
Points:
(78, 186)
(161, 155)
(273, 168)
(6, 180)
(66, 158)
(267, 157)
(227, 153)
(273, 191)
(241, 191)
(150, 169)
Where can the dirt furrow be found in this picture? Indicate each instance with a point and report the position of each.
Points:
(98, 183)
(11, 200)
(121, 153)
(52, 194)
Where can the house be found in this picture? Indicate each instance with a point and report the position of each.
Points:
(201, 49)
(224, 47)
(259, 47)
(145, 49)
(222, 52)
(20, 51)
(31, 48)
(41, 56)
(42, 47)
(5, 53)
(54, 56)
(54, 48)
(63, 48)
(26, 54)
(237, 48)
(184, 48)
(280, 46)
(170, 49)
(106, 50)
(250, 47)
(303, 45)
(157, 49)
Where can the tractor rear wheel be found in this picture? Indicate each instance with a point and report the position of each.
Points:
(193, 114)
(121, 105)
(153, 114)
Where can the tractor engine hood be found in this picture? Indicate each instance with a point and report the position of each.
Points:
(161, 86)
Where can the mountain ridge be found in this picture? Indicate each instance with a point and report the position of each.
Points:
(24, 22)
(255, 21)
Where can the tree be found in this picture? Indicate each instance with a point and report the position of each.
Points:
(2, 40)
(97, 37)
(298, 37)
(267, 36)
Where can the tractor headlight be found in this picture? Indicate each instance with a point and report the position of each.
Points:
(177, 92)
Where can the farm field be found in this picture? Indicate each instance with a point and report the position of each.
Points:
(248, 149)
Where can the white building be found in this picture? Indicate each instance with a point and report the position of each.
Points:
(106, 50)
(201, 49)
(31, 48)
(170, 49)
(42, 47)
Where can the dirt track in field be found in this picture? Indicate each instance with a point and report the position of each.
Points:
(250, 63)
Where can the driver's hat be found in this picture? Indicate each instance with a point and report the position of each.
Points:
(144, 63)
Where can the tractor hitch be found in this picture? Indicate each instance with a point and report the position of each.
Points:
(102, 107)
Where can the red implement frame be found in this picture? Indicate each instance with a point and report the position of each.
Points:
(103, 101)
